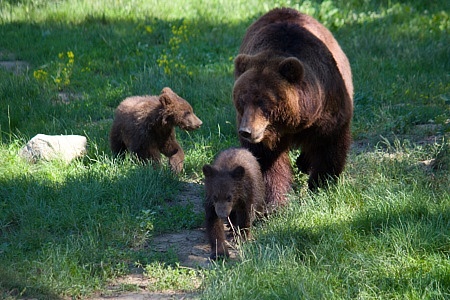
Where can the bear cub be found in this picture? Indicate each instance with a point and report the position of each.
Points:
(235, 191)
(145, 126)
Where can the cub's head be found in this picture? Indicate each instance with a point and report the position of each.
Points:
(222, 188)
(178, 111)
(265, 94)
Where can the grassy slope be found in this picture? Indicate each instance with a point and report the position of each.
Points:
(382, 232)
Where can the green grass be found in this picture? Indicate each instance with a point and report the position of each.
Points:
(66, 230)
(383, 236)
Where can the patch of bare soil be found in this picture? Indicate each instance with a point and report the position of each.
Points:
(9, 63)
(191, 247)
(67, 97)
(16, 67)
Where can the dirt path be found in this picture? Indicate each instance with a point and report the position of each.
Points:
(14, 66)
(191, 247)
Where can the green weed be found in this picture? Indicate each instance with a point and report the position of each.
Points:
(165, 277)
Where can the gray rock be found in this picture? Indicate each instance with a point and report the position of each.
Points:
(48, 147)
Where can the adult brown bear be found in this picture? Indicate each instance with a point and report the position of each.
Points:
(293, 89)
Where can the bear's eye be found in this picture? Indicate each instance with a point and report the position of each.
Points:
(215, 198)
(187, 114)
(229, 198)
(263, 108)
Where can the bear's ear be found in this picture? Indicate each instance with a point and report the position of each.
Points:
(238, 173)
(168, 96)
(167, 90)
(209, 170)
(165, 99)
(241, 64)
(291, 69)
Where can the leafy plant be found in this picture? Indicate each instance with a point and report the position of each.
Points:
(59, 73)
(165, 277)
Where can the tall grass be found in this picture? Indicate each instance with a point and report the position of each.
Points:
(65, 230)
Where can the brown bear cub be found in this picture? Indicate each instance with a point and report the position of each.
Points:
(293, 89)
(235, 191)
(145, 125)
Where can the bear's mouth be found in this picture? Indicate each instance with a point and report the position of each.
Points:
(191, 127)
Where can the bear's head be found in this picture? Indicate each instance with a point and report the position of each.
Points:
(178, 111)
(222, 188)
(265, 94)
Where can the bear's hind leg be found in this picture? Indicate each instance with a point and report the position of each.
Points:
(146, 152)
(116, 143)
(118, 149)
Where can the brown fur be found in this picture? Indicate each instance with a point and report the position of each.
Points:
(145, 125)
(293, 88)
(235, 189)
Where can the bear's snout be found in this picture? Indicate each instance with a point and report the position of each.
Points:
(253, 136)
(252, 125)
(192, 123)
(245, 133)
(197, 123)
(223, 210)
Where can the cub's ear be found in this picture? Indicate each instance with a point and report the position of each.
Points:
(241, 64)
(165, 100)
(209, 171)
(291, 69)
(238, 173)
(167, 90)
(167, 96)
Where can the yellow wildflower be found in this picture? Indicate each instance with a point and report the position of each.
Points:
(148, 29)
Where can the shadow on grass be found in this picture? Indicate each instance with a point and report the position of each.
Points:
(74, 235)
(15, 286)
(423, 230)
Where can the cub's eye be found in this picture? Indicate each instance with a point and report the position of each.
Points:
(229, 198)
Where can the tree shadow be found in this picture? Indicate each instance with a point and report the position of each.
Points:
(15, 286)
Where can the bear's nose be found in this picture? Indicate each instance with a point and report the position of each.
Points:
(245, 133)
